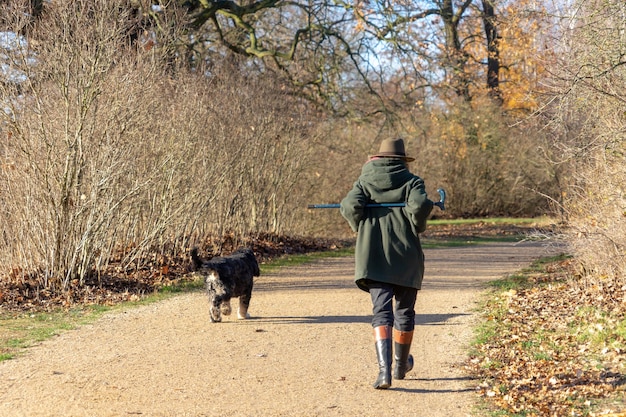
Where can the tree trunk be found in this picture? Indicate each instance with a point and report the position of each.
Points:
(457, 58)
(493, 49)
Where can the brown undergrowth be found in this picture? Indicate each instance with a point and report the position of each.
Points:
(119, 285)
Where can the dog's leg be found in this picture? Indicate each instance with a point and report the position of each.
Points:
(214, 312)
(242, 313)
(244, 303)
(227, 293)
(215, 291)
(225, 307)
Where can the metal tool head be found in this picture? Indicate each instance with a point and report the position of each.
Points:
(442, 199)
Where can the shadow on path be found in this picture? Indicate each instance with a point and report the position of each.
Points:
(420, 319)
(438, 381)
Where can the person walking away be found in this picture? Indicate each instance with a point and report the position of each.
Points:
(389, 261)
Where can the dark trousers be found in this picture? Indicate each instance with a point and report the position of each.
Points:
(383, 294)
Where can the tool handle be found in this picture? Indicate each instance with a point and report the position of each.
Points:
(440, 203)
(323, 206)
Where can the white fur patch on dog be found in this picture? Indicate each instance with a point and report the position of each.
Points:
(213, 278)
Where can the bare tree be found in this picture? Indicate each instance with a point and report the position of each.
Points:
(333, 50)
(493, 50)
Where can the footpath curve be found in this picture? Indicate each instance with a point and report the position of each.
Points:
(307, 351)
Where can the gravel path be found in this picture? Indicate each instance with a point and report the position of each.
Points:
(307, 351)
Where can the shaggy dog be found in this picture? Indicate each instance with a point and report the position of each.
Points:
(227, 277)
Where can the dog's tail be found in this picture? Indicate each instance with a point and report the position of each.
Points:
(195, 259)
(257, 270)
(255, 265)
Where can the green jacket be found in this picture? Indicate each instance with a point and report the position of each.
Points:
(388, 247)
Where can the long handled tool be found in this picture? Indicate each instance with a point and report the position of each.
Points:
(440, 203)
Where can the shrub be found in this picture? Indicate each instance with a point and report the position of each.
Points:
(110, 156)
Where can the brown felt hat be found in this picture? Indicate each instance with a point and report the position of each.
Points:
(393, 148)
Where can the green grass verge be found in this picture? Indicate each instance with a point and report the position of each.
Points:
(522, 279)
(298, 259)
(458, 242)
(439, 242)
(516, 221)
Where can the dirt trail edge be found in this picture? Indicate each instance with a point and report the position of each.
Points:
(307, 350)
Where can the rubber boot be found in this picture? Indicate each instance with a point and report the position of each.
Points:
(402, 346)
(382, 335)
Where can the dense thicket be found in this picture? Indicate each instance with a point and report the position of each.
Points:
(587, 123)
(109, 157)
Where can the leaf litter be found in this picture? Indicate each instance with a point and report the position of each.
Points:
(556, 346)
